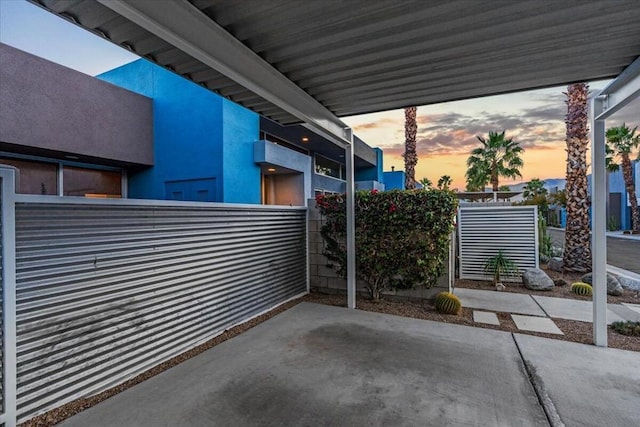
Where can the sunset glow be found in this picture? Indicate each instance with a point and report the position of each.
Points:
(447, 132)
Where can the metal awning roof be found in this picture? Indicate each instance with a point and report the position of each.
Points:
(362, 56)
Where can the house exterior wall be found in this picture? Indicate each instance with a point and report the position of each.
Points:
(615, 184)
(241, 175)
(374, 173)
(187, 129)
(200, 139)
(394, 180)
(46, 106)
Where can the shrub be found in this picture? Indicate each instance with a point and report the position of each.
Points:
(581, 288)
(448, 303)
(627, 328)
(500, 265)
(402, 237)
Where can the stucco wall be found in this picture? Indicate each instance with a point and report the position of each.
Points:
(323, 277)
(241, 129)
(48, 106)
(187, 126)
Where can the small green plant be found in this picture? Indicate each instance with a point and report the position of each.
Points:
(612, 224)
(627, 328)
(581, 288)
(448, 303)
(500, 265)
(545, 242)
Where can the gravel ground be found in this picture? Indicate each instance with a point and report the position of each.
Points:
(573, 330)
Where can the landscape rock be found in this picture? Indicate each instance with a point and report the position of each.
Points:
(556, 263)
(537, 280)
(613, 285)
(560, 282)
(629, 283)
(500, 287)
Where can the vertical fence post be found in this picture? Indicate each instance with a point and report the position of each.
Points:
(351, 224)
(598, 224)
(8, 224)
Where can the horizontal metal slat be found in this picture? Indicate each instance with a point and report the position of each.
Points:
(104, 292)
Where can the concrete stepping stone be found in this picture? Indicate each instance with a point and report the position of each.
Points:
(504, 302)
(536, 324)
(571, 309)
(485, 317)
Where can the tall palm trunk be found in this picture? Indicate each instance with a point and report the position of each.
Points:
(627, 174)
(410, 155)
(494, 181)
(577, 246)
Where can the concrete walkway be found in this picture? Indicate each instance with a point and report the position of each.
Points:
(537, 306)
(321, 365)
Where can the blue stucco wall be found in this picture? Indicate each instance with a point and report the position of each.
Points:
(394, 180)
(187, 129)
(615, 183)
(373, 173)
(241, 176)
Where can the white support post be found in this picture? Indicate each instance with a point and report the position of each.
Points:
(598, 224)
(8, 212)
(351, 224)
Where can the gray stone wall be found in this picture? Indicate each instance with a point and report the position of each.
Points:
(323, 277)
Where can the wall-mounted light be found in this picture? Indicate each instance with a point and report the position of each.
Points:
(305, 139)
(271, 170)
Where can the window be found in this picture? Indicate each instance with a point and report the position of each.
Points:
(329, 167)
(34, 177)
(42, 177)
(91, 182)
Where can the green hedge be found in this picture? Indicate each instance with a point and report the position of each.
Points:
(402, 237)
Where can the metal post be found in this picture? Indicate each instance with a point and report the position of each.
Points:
(8, 224)
(598, 224)
(351, 223)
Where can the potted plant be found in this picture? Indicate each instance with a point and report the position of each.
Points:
(500, 265)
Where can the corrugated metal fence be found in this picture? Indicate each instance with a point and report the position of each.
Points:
(108, 289)
(2, 326)
(485, 230)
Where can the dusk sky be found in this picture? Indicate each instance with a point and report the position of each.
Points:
(446, 132)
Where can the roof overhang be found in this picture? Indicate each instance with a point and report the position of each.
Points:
(313, 62)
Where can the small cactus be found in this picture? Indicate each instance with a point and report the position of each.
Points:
(581, 288)
(448, 303)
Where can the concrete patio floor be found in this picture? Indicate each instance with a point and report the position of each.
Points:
(322, 365)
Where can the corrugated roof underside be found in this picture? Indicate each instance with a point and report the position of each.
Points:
(364, 56)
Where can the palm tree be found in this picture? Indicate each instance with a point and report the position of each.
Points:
(497, 157)
(444, 182)
(426, 184)
(621, 142)
(577, 246)
(534, 188)
(410, 155)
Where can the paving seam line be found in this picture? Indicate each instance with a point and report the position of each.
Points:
(536, 382)
(541, 308)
